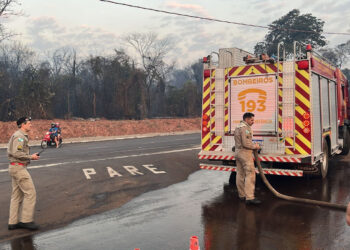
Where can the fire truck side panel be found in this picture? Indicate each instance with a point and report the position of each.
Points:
(316, 115)
(333, 116)
(329, 112)
(326, 89)
(325, 104)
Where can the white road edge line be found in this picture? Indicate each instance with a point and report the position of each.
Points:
(108, 158)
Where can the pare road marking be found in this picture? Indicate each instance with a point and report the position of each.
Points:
(88, 172)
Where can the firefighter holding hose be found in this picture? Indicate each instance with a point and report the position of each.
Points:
(244, 146)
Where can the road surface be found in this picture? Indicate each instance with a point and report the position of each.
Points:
(177, 207)
(79, 180)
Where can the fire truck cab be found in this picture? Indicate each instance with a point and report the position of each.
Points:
(300, 102)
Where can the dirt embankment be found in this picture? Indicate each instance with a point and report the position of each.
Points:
(92, 128)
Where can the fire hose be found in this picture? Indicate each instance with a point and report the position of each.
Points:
(291, 198)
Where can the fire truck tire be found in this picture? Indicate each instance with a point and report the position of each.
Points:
(346, 141)
(323, 165)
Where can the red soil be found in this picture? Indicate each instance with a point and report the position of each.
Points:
(91, 128)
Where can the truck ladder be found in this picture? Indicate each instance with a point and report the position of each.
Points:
(288, 98)
(217, 105)
(213, 102)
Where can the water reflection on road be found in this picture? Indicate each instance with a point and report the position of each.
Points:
(277, 224)
(167, 218)
(23, 243)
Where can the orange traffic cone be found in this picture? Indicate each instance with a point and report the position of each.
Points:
(194, 243)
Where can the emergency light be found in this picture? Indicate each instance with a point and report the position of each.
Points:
(205, 123)
(306, 130)
(306, 116)
(306, 123)
(206, 73)
(303, 64)
(206, 59)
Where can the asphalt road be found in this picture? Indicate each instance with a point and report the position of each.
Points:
(82, 179)
(201, 205)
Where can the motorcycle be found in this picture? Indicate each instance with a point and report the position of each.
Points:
(49, 140)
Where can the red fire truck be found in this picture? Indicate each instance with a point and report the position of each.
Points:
(300, 102)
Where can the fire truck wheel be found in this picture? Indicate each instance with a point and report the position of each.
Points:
(346, 141)
(323, 165)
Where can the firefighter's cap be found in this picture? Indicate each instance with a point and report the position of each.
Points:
(23, 120)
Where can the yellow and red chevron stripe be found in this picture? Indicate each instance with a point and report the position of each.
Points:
(302, 101)
(280, 96)
(205, 110)
(252, 70)
(210, 141)
(226, 103)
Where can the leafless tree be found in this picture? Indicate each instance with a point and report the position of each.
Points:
(64, 67)
(338, 55)
(16, 55)
(64, 61)
(152, 53)
(6, 10)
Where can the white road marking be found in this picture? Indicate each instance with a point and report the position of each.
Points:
(112, 172)
(131, 169)
(88, 172)
(153, 170)
(108, 158)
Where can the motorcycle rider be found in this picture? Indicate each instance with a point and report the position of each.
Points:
(58, 131)
(54, 133)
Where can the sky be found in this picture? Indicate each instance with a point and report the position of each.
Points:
(93, 27)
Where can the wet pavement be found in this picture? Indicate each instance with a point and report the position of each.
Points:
(166, 219)
(80, 180)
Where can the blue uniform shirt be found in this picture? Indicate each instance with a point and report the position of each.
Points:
(54, 131)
